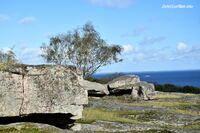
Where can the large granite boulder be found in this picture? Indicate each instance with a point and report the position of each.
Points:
(143, 90)
(131, 84)
(122, 83)
(31, 90)
(93, 88)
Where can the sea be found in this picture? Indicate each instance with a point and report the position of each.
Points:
(179, 78)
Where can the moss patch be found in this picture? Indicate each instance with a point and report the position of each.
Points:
(27, 128)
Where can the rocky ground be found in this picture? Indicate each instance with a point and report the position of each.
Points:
(168, 113)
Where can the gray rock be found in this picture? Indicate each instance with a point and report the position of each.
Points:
(121, 107)
(143, 90)
(41, 90)
(130, 84)
(94, 88)
(122, 83)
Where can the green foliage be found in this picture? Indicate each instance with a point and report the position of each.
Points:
(3, 67)
(83, 48)
(174, 88)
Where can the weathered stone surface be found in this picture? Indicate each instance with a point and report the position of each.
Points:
(94, 88)
(124, 81)
(122, 84)
(41, 89)
(131, 84)
(143, 90)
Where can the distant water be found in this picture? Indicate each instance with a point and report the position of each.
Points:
(179, 78)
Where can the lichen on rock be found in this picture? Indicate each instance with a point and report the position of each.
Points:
(27, 90)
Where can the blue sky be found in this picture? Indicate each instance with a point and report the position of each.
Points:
(154, 38)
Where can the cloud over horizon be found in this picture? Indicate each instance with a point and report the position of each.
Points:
(27, 20)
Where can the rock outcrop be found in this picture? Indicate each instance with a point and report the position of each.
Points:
(143, 90)
(131, 84)
(30, 90)
(93, 88)
(122, 84)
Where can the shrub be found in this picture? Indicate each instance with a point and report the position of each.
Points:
(174, 88)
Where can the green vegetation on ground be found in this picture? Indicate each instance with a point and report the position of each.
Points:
(174, 104)
(23, 128)
(174, 88)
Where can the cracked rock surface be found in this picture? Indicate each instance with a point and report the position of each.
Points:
(41, 89)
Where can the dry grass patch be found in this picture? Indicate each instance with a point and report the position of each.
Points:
(164, 96)
(100, 113)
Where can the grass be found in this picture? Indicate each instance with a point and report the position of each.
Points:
(193, 126)
(101, 113)
(175, 103)
(164, 96)
(176, 106)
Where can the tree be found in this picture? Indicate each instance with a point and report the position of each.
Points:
(8, 57)
(83, 47)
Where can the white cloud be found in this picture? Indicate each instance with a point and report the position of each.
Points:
(3, 18)
(181, 46)
(128, 48)
(27, 20)
(139, 30)
(29, 55)
(112, 3)
(143, 55)
(152, 40)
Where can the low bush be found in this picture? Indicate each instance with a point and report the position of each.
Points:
(174, 88)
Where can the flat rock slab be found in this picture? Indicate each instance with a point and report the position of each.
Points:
(123, 81)
(94, 88)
